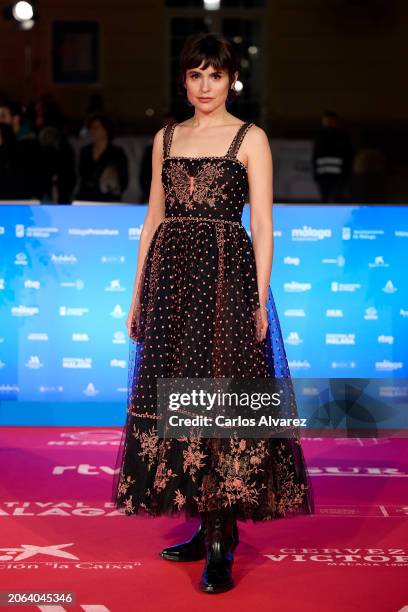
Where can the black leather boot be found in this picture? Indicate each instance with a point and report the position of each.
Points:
(217, 576)
(195, 549)
(191, 550)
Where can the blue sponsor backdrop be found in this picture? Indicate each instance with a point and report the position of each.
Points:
(66, 274)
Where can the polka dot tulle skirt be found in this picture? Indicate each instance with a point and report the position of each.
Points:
(195, 317)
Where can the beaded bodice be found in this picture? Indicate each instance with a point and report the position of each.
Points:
(206, 186)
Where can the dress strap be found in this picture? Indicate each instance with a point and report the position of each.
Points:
(238, 138)
(168, 132)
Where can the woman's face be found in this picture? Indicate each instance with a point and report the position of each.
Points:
(97, 131)
(207, 89)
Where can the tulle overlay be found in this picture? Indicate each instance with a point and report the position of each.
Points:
(195, 317)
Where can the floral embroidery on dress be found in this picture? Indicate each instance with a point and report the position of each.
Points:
(291, 493)
(179, 499)
(192, 456)
(163, 475)
(235, 482)
(148, 442)
(124, 483)
(129, 508)
(200, 187)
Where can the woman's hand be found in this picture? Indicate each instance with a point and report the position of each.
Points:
(261, 321)
(132, 322)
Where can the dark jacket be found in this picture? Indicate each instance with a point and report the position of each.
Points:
(332, 154)
(104, 179)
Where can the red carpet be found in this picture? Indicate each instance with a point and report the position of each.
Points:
(59, 532)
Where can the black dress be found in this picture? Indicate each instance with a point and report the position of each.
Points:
(195, 318)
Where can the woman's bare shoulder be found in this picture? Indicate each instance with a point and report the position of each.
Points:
(256, 139)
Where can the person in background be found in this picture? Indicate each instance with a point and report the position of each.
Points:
(27, 160)
(7, 162)
(58, 172)
(103, 166)
(369, 179)
(332, 159)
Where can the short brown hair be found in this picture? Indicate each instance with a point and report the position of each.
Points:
(214, 50)
(105, 121)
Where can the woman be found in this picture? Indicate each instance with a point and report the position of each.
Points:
(103, 166)
(202, 308)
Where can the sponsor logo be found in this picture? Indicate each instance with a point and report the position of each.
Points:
(85, 469)
(335, 286)
(40, 336)
(24, 311)
(113, 259)
(34, 363)
(334, 313)
(389, 287)
(45, 389)
(351, 557)
(5, 388)
(77, 284)
(115, 285)
(291, 261)
(298, 364)
(31, 284)
(77, 362)
(385, 339)
(343, 365)
(118, 363)
(388, 366)
(294, 339)
(117, 312)
(14, 557)
(21, 259)
(340, 338)
(119, 337)
(77, 337)
(378, 262)
(360, 234)
(67, 311)
(308, 233)
(92, 231)
(338, 261)
(34, 232)
(371, 314)
(63, 259)
(90, 390)
(296, 287)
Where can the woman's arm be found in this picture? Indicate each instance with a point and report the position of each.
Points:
(155, 212)
(260, 176)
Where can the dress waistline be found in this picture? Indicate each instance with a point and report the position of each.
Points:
(167, 219)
